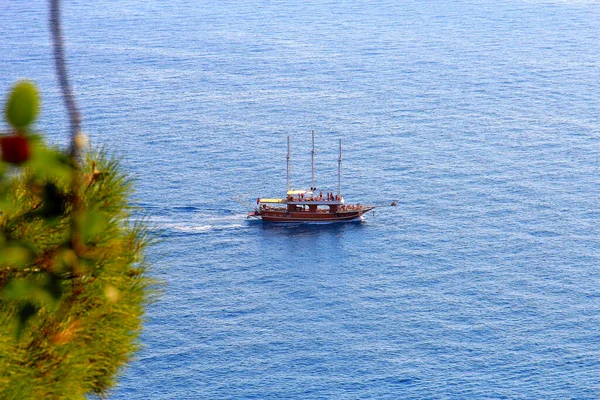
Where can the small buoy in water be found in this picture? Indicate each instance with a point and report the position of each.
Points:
(394, 204)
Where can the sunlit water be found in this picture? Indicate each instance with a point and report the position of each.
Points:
(480, 118)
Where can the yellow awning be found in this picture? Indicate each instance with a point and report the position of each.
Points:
(273, 200)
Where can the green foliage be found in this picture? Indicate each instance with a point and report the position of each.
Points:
(23, 105)
(73, 282)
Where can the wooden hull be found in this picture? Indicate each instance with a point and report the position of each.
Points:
(307, 216)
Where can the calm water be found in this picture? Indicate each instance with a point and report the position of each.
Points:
(481, 118)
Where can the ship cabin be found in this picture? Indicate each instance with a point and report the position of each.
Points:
(304, 201)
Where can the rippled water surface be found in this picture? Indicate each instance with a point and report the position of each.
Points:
(480, 118)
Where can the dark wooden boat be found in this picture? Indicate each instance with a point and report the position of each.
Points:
(307, 205)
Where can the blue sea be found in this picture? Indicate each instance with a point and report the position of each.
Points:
(480, 118)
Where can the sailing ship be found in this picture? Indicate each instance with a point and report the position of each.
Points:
(308, 205)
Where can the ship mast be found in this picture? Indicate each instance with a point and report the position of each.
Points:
(288, 167)
(340, 171)
(313, 162)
